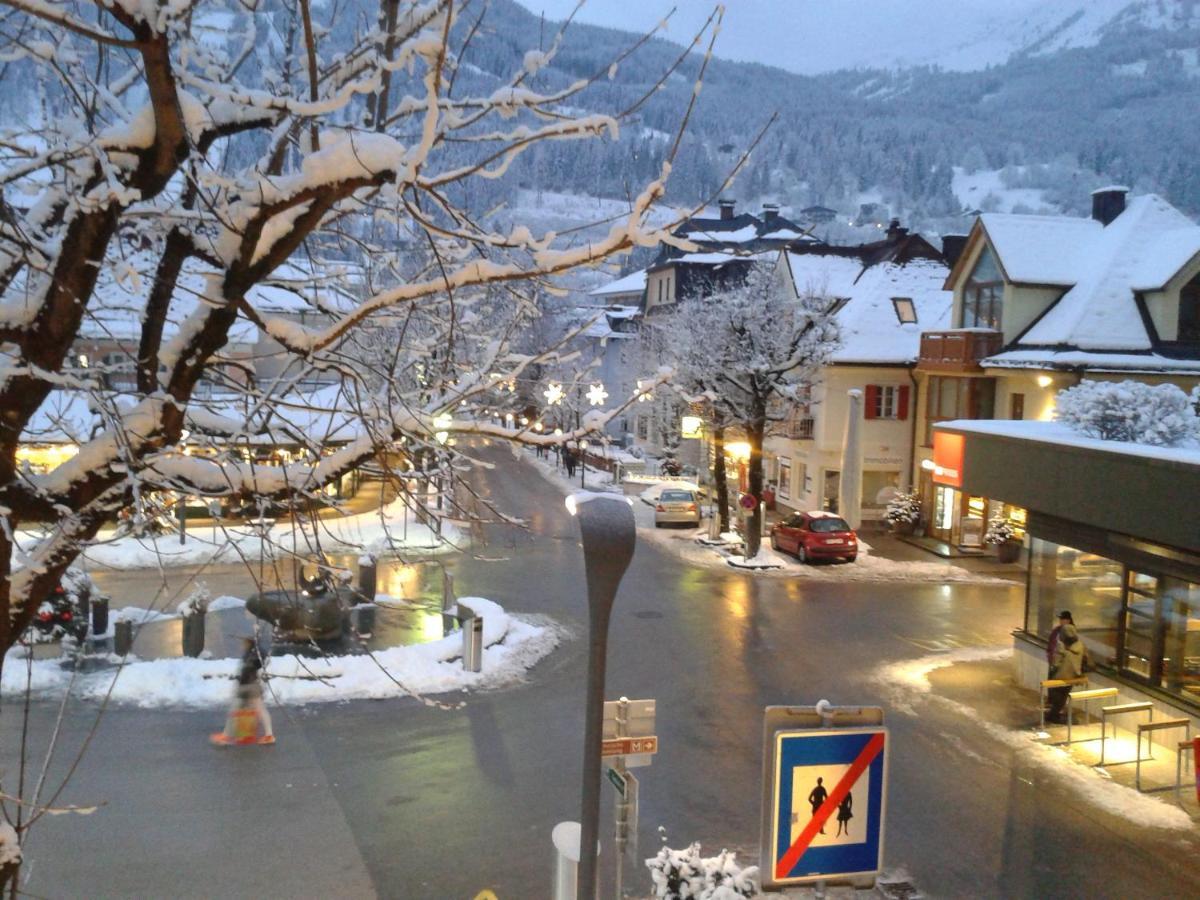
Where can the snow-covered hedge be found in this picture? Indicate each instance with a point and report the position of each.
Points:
(685, 875)
(903, 509)
(1159, 414)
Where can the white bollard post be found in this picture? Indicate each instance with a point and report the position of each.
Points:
(566, 866)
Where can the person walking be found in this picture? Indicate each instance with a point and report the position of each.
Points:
(845, 814)
(248, 703)
(1068, 664)
(568, 454)
(816, 797)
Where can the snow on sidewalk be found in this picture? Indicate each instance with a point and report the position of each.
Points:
(512, 647)
(908, 681)
(379, 531)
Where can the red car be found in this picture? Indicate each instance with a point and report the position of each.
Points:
(815, 535)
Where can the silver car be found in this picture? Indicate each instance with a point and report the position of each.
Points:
(677, 507)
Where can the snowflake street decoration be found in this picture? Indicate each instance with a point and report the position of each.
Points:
(553, 394)
(644, 396)
(597, 395)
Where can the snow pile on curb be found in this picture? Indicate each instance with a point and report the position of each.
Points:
(912, 677)
(374, 532)
(512, 646)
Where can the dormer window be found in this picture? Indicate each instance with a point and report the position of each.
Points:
(906, 312)
(983, 294)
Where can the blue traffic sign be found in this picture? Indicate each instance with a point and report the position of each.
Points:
(828, 787)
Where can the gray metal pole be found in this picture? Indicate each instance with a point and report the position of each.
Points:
(609, 534)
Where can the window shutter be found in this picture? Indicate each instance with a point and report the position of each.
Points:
(872, 403)
(902, 402)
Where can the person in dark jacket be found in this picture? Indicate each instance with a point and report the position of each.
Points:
(1068, 664)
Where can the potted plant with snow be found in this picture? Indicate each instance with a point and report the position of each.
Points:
(903, 513)
(1003, 536)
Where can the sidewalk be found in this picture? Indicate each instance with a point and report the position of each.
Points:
(987, 691)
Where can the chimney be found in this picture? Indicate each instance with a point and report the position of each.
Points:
(952, 247)
(770, 213)
(1108, 203)
(895, 232)
(726, 208)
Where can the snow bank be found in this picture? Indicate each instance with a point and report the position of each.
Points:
(512, 646)
(909, 679)
(377, 532)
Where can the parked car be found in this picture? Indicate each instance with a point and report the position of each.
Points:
(815, 535)
(677, 507)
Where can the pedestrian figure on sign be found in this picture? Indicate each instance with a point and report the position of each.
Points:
(816, 797)
(845, 814)
(248, 711)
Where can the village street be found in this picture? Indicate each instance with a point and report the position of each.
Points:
(399, 799)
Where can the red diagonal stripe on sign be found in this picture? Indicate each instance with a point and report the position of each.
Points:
(865, 758)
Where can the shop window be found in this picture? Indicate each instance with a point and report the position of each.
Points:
(785, 478)
(878, 488)
(886, 401)
(1062, 577)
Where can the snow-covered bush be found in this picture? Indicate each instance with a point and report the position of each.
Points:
(903, 509)
(197, 601)
(685, 875)
(999, 531)
(1159, 414)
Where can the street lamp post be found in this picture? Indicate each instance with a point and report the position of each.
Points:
(607, 527)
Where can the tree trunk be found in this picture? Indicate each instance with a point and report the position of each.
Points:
(754, 477)
(722, 486)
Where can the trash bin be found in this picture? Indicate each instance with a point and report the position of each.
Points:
(193, 634)
(364, 620)
(99, 616)
(472, 634)
(122, 637)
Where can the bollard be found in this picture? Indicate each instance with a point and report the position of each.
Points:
(122, 637)
(100, 616)
(193, 634)
(367, 577)
(472, 633)
(364, 620)
(566, 866)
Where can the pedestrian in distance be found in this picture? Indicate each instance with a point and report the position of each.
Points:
(1068, 664)
(816, 797)
(1052, 641)
(248, 711)
(845, 814)
(568, 454)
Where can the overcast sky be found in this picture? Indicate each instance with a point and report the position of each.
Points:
(809, 36)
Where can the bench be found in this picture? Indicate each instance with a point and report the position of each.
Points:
(1084, 697)
(1048, 683)
(1148, 729)
(1106, 712)
(1183, 748)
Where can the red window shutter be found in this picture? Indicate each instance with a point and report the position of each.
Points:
(902, 403)
(869, 411)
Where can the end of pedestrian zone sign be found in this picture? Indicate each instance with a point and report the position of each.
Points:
(825, 798)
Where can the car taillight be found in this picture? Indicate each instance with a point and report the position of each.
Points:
(691, 507)
(660, 508)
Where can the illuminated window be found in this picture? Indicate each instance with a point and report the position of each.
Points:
(906, 312)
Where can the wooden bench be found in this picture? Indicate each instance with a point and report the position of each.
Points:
(1148, 729)
(1106, 712)
(1048, 683)
(1084, 697)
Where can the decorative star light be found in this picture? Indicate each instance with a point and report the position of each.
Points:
(597, 394)
(643, 395)
(553, 394)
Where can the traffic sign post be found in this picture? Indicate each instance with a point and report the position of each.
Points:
(824, 797)
(628, 740)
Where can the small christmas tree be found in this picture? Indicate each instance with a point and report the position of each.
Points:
(1000, 531)
(903, 509)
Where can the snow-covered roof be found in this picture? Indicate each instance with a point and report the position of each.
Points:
(871, 331)
(633, 283)
(742, 235)
(1040, 249)
(1092, 361)
(1060, 434)
(1100, 311)
(603, 327)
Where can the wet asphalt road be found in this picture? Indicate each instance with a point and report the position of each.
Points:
(396, 799)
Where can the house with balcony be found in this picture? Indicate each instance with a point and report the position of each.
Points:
(885, 294)
(1039, 304)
